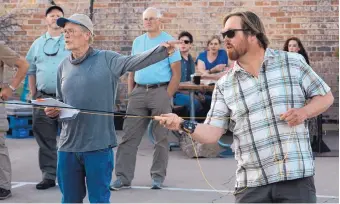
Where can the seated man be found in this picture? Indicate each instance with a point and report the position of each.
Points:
(182, 98)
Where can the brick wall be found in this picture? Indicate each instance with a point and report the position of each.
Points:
(118, 22)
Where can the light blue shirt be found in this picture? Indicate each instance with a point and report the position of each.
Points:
(45, 67)
(159, 72)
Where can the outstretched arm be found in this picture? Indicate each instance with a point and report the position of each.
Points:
(121, 64)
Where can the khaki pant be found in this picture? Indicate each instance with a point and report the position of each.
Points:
(45, 131)
(5, 164)
(142, 101)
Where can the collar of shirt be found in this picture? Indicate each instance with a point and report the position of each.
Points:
(269, 54)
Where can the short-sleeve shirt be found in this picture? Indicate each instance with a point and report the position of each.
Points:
(222, 58)
(159, 72)
(267, 150)
(45, 67)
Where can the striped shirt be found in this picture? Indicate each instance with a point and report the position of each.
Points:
(267, 150)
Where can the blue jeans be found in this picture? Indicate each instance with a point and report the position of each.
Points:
(181, 99)
(95, 166)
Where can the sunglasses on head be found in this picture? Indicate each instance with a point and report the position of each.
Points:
(231, 33)
(185, 41)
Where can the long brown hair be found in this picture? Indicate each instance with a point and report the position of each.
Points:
(252, 23)
(302, 50)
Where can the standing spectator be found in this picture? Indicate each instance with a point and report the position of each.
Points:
(44, 56)
(10, 58)
(150, 92)
(294, 44)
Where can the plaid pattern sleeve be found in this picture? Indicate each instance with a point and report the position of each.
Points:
(218, 114)
(312, 84)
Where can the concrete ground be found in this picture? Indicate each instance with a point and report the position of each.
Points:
(184, 182)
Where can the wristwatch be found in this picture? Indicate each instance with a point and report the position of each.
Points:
(11, 87)
(188, 126)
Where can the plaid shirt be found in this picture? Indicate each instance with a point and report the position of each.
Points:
(267, 150)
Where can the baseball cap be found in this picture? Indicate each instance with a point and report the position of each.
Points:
(54, 7)
(80, 19)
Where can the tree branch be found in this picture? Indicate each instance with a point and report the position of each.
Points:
(7, 24)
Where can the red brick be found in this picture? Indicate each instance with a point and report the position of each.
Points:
(169, 15)
(20, 32)
(97, 5)
(114, 5)
(216, 3)
(186, 3)
(292, 25)
(39, 16)
(34, 21)
(310, 3)
(99, 37)
(335, 3)
(277, 14)
(262, 3)
(26, 27)
(283, 20)
(299, 31)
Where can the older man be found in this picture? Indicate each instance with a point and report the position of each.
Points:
(263, 101)
(87, 79)
(44, 56)
(151, 91)
(10, 58)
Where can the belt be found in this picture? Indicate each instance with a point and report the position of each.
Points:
(147, 86)
(48, 94)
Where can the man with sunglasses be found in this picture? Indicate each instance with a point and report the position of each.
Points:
(10, 58)
(150, 92)
(262, 100)
(44, 56)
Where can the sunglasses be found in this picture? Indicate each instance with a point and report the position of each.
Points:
(52, 53)
(185, 41)
(231, 33)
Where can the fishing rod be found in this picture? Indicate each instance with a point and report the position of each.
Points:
(115, 113)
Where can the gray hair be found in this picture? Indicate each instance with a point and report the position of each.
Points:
(85, 30)
(158, 12)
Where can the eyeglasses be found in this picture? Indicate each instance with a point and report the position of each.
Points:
(150, 19)
(185, 41)
(231, 33)
(70, 32)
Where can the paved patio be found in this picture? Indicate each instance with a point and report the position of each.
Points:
(184, 182)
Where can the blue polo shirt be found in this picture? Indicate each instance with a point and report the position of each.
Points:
(45, 67)
(159, 72)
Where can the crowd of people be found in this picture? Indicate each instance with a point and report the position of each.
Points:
(264, 96)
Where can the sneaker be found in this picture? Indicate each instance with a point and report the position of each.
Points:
(117, 185)
(156, 184)
(45, 184)
(5, 194)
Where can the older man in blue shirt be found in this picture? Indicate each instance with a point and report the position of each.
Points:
(44, 56)
(153, 89)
